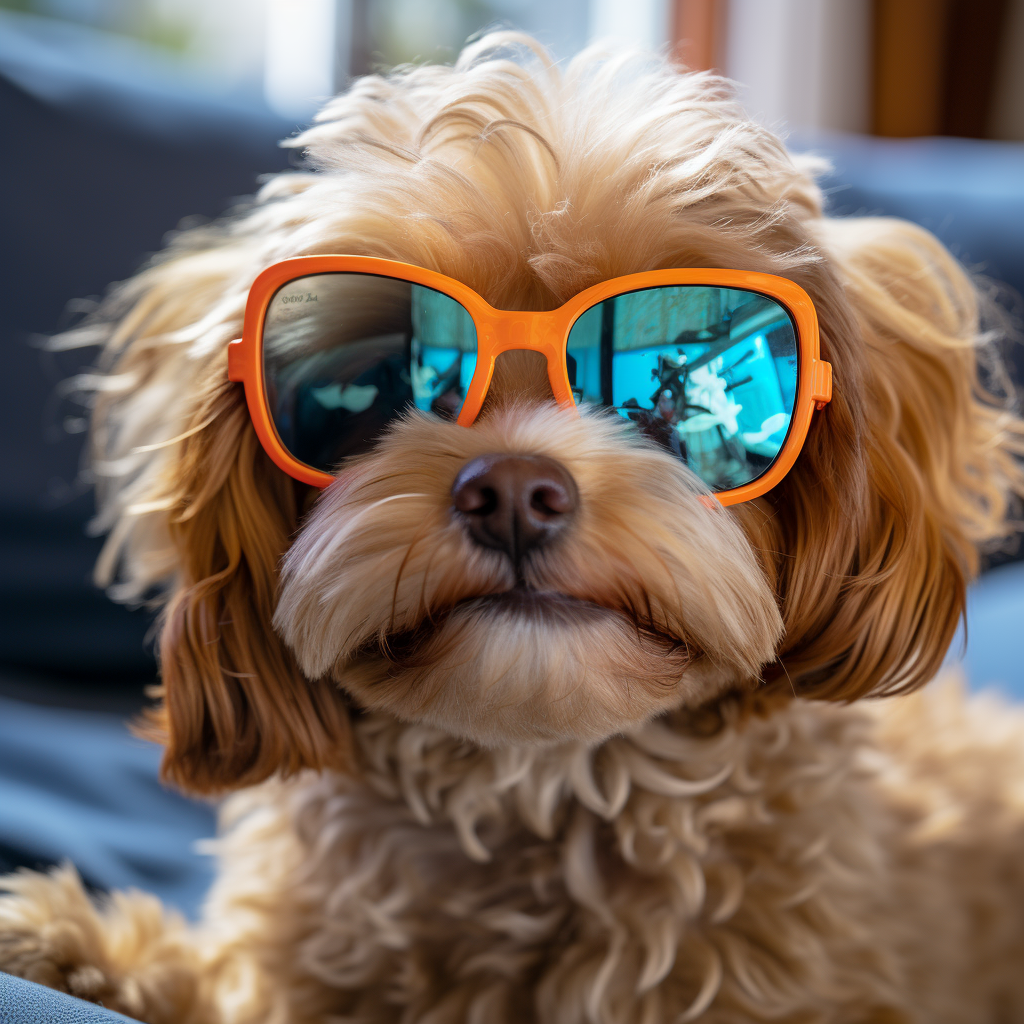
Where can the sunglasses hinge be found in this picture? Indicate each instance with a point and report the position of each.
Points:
(821, 383)
(236, 357)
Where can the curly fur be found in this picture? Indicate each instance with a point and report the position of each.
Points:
(645, 797)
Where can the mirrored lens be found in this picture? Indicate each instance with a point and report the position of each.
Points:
(344, 354)
(709, 373)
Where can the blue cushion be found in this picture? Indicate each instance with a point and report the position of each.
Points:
(994, 655)
(23, 1002)
(76, 785)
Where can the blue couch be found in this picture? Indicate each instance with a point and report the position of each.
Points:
(107, 153)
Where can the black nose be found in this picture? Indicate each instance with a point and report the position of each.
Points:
(515, 503)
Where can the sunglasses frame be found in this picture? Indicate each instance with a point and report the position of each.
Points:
(500, 331)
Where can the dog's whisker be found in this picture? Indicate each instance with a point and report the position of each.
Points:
(420, 534)
(334, 542)
(425, 608)
(782, 665)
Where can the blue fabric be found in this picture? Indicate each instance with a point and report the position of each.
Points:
(995, 632)
(77, 785)
(22, 1002)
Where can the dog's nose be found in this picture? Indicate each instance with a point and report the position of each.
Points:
(515, 503)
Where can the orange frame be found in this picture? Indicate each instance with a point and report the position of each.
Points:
(501, 331)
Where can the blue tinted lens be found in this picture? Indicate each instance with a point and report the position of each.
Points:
(709, 373)
(344, 354)
(443, 350)
(589, 362)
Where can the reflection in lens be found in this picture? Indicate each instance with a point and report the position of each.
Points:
(709, 373)
(344, 354)
(443, 351)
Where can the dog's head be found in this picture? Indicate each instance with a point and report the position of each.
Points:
(288, 607)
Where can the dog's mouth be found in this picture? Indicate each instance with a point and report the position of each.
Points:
(522, 599)
(517, 606)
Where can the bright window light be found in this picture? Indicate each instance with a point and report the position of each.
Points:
(302, 54)
(637, 23)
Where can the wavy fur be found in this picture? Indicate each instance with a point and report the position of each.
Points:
(651, 801)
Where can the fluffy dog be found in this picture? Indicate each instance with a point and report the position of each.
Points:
(641, 795)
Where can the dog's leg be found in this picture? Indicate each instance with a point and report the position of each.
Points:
(129, 955)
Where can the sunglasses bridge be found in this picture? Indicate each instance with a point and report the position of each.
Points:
(504, 331)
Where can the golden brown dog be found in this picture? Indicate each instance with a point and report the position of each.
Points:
(641, 794)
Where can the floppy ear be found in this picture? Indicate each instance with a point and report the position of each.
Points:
(908, 471)
(235, 707)
(198, 519)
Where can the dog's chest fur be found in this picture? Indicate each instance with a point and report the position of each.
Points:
(785, 864)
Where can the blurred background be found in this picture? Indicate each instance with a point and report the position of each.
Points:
(894, 68)
(122, 119)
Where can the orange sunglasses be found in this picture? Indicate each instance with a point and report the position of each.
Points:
(334, 347)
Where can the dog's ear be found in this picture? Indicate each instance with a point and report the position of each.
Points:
(235, 707)
(198, 519)
(911, 468)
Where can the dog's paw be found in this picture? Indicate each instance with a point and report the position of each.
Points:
(50, 933)
(43, 958)
(130, 957)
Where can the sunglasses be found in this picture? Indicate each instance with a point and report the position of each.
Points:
(720, 367)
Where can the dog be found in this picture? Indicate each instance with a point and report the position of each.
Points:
(625, 772)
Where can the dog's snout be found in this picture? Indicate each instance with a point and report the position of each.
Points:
(515, 503)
